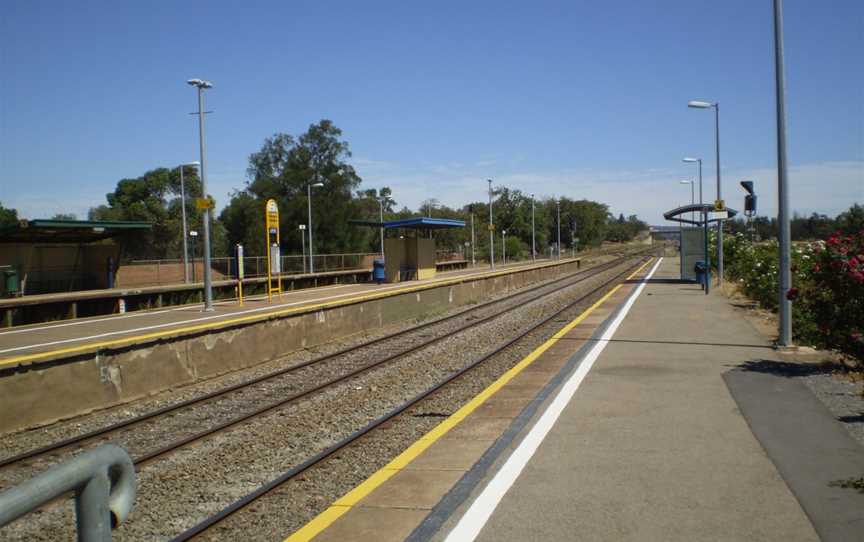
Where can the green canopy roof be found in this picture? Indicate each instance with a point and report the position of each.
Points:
(69, 231)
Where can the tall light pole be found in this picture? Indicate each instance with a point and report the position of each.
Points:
(491, 229)
(558, 206)
(183, 214)
(473, 261)
(208, 286)
(716, 106)
(309, 186)
(785, 305)
(533, 239)
(692, 195)
(698, 162)
(503, 247)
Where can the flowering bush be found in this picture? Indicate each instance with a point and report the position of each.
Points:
(827, 292)
(833, 295)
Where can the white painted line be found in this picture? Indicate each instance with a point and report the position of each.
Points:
(475, 518)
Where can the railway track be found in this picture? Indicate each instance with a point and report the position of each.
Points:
(247, 388)
(321, 457)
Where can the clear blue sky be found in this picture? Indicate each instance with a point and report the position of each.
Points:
(582, 99)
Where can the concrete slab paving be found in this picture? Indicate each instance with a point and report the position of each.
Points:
(416, 489)
(652, 446)
(453, 454)
(362, 524)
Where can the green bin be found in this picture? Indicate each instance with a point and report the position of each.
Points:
(10, 282)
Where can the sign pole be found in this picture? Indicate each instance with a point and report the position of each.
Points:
(240, 273)
(271, 244)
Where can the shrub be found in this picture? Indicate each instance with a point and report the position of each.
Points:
(827, 280)
(833, 295)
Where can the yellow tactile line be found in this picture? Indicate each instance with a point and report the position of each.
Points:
(126, 341)
(350, 499)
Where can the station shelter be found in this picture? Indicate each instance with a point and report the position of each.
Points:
(48, 256)
(408, 253)
(693, 247)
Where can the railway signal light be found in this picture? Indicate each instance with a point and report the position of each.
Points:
(750, 198)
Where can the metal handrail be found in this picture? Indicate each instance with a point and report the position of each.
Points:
(103, 480)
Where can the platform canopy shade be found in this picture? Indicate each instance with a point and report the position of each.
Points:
(417, 223)
(677, 214)
(69, 231)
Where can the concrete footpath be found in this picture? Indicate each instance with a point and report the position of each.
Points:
(652, 445)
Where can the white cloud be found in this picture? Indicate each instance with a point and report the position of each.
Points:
(829, 187)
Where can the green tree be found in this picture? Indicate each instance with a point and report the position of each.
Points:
(851, 221)
(155, 198)
(281, 170)
(8, 217)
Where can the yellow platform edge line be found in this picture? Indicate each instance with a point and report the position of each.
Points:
(276, 313)
(344, 504)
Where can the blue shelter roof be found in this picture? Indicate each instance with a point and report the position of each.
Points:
(425, 223)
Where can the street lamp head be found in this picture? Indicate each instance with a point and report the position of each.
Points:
(200, 83)
(196, 163)
(316, 184)
(686, 182)
(700, 105)
(692, 160)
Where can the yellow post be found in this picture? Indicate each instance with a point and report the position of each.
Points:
(271, 245)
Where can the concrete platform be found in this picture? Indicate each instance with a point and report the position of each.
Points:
(622, 429)
(41, 342)
(94, 363)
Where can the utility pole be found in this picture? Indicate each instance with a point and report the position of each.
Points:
(785, 305)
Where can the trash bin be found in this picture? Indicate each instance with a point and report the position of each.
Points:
(699, 269)
(10, 282)
(378, 271)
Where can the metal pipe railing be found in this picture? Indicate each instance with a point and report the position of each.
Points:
(103, 480)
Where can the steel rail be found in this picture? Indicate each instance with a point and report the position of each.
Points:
(175, 445)
(71, 441)
(241, 503)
